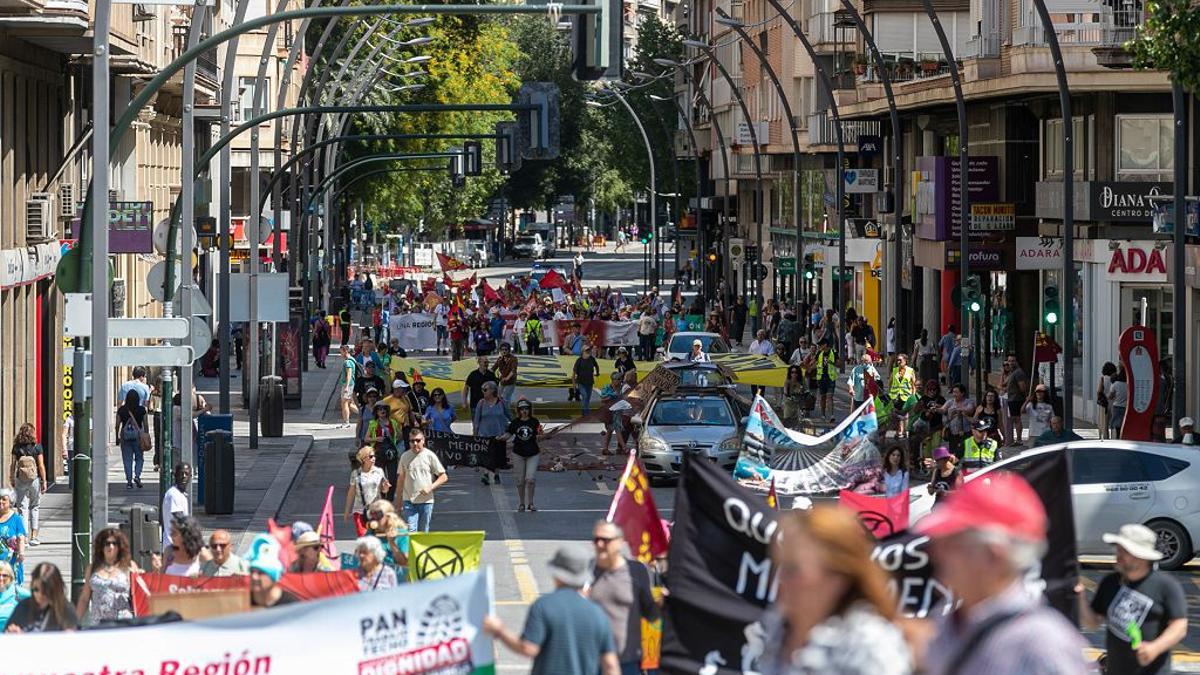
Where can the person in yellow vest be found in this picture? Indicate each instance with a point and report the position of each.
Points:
(826, 375)
(901, 389)
(979, 450)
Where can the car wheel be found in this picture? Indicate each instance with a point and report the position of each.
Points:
(1173, 542)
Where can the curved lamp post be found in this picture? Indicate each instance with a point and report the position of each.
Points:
(725, 20)
(649, 157)
(759, 213)
(687, 123)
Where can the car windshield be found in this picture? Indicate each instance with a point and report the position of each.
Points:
(681, 344)
(713, 412)
(526, 240)
(701, 377)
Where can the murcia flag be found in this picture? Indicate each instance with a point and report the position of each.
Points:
(450, 263)
(633, 509)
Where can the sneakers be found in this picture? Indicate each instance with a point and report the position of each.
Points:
(485, 479)
(137, 482)
(34, 541)
(128, 485)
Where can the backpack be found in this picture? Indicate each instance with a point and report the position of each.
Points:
(130, 430)
(27, 464)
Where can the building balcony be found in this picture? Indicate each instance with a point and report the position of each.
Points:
(823, 131)
(901, 67)
(1101, 26)
(206, 63)
(832, 31)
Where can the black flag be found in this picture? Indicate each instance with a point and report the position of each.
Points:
(720, 577)
(905, 555)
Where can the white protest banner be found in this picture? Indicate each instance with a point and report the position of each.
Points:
(800, 464)
(595, 331)
(427, 627)
(414, 330)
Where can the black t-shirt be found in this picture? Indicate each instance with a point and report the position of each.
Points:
(1151, 604)
(624, 364)
(475, 384)
(34, 450)
(586, 370)
(929, 408)
(33, 619)
(524, 434)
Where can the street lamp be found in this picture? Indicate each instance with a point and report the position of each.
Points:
(687, 123)
(739, 27)
(649, 156)
(687, 80)
(759, 214)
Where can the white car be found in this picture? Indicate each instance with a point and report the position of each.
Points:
(681, 344)
(529, 246)
(1118, 482)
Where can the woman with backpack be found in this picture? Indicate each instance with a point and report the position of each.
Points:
(28, 476)
(384, 434)
(131, 420)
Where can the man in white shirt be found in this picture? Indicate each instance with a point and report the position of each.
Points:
(761, 345)
(441, 323)
(175, 501)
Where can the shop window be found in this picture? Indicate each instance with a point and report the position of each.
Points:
(1145, 149)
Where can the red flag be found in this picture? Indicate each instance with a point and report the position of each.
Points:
(881, 516)
(450, 263)
(772, 496)
(144, 584)
(553, 279)
(283, 535)
(317, 585)
(325, 531)
(634, 511)
(489, 293)
(1045, 349)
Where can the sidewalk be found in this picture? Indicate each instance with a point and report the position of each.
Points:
(263, 476)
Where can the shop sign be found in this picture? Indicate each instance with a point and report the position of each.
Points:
(865, 228)
(860, 181)
(1126, 201)
(980, 257)
(1039, 253)
(993, 217)
(760, 130)
(130, 229)
(1137, 263)
(785, 266)
(939, 193)
(869, 145)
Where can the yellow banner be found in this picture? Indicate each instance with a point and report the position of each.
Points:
(436, 555)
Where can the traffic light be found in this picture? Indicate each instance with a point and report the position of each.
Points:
(972, 294)
(1051, 310)
(712, 256)
(810, 267)
(647, 236)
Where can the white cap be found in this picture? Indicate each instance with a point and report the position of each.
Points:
(1138, 540)
(1186, 422)
(399, 383)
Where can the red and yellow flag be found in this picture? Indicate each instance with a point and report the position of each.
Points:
(633, 509)
(450, 263)
(772, 496)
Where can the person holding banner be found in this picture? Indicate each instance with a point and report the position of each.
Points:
(48, 608)
(490, 420)
(985, 539)
(506, 371)
(621, 587)
(439, 416)
(833, 613)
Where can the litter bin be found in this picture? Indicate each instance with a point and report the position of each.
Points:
(205, 424)
(142, 530)
(270, 406)
(218, 473)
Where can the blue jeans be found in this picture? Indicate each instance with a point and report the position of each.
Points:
(632, 668)
(418, 516)
(506, 393)
(131, 457)
(585, 395)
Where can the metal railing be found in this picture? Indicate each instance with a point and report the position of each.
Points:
(986, 46)
(1104, 27)
(827, 28)
(822, 130)
(903, 67)
(206, 63)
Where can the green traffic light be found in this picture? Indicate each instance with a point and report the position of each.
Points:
(1051, 317)
(974, 306)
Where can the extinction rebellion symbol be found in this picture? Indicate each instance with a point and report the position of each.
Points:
(876, 524)
(439, 561)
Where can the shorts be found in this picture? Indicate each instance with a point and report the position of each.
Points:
(1014, 408)
(442, 332)
(525, 468)
(347, 393)
(826, 386)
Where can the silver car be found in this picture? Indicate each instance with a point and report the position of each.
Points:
(1119, 482)
(701, 423)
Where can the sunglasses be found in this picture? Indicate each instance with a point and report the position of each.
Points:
(111, 543)
(219, 547)
(5, 575)
(603, 540)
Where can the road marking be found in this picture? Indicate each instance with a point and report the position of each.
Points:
(526, 581)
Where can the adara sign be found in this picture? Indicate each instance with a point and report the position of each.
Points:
(1137, 261)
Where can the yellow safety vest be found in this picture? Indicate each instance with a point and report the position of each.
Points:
(979, 454)
(902, 386)
(825, 365)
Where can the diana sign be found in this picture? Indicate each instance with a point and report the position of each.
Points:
(1129, 201)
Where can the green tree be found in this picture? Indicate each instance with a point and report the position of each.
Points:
(1169, 40)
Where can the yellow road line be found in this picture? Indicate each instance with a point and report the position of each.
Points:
(526, 583)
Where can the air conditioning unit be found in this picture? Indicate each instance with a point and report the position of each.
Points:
(38, 210)
(66, 200)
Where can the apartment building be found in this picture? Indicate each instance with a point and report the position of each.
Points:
(45, 96)
(1123, 157)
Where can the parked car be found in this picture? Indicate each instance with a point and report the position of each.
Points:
(681, 344)
(529, 245)
(477, 254)
(1119, 482)
(701, 422)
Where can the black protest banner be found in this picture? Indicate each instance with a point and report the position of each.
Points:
(721, 576)
(460, 449)
(905, 555)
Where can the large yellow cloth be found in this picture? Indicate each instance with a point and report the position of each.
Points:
(555, 371)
